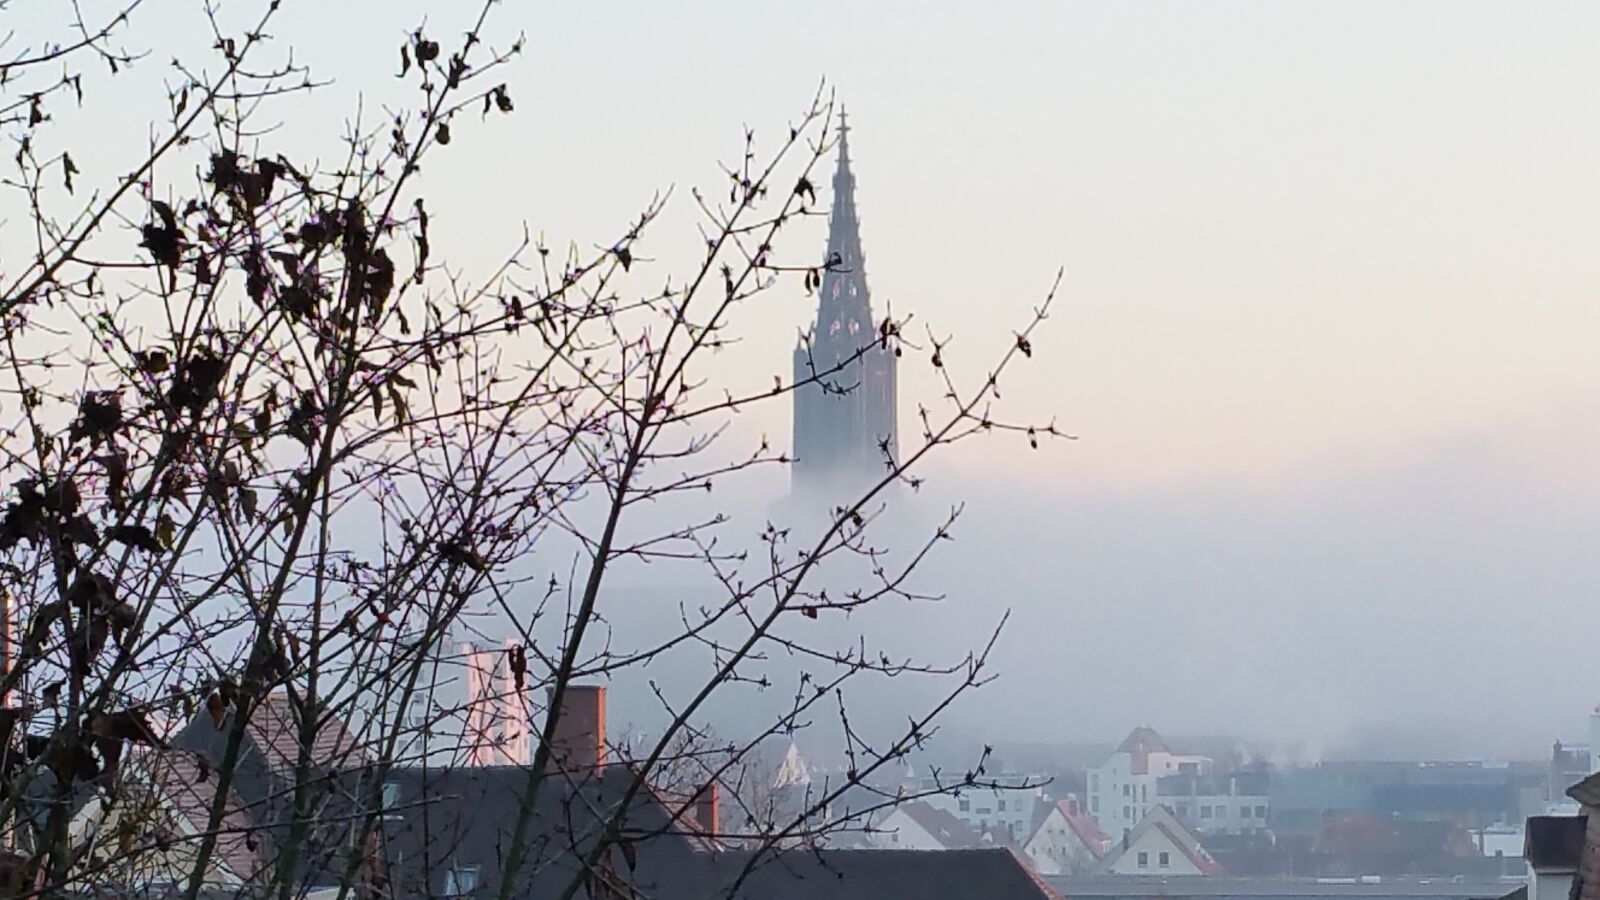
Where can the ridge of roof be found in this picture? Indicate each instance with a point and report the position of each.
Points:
(1587, 791)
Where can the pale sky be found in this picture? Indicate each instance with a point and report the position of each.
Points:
(1331, 282)
(1294, 234)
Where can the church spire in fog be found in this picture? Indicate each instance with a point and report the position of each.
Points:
(844, 420)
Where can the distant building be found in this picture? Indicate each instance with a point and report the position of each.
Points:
(1010, 811)
(845, 416)
(1219, 804)
(1160, 844)
(1473, 794)
(1125, 788)
(919, 826)
(1067, 841)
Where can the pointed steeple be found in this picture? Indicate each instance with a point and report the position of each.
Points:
(844, 418)
(844, 281)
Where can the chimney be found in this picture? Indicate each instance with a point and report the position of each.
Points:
(578, 744)
(479, 713)
(705, 811)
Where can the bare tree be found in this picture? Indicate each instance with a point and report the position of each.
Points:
(269, 462)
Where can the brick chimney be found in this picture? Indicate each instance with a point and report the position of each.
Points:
(578, 744)
(705, 811)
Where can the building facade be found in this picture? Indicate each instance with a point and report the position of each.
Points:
(845, 431)
(1219, 804)
(1159, 845)
(1008, 810)
(1126, 787)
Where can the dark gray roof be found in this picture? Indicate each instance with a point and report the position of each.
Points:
(465, 817)
(1138, 887)
(1554, 842)
(992, 874)
(1586, 791)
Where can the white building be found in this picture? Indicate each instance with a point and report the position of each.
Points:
(1218, 804)
(1008, 809)
(1123, 789)
(1159, 845)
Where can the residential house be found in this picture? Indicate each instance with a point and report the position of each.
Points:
(447, 831)
(1066, 841)
(1552, 850)
(919, 826)
(1160, 844)
(1124, 789)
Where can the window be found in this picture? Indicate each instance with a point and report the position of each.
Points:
(984, 810)
(391, 794)
(1205, 812)
(965, 804)
(417, 712)
(1001, 806)
(1094, 783)
(1094, 805)
(1144, 860)
(1164, 859)
(1261, 812)
(1127, 790)
(1127, 812)
(460, 881)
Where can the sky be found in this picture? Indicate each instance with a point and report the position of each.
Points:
(1325, 331)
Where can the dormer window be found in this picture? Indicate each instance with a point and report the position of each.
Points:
(460, 881)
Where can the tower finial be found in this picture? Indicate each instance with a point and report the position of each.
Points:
(844, 133)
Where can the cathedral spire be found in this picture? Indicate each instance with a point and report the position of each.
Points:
(844, 282)
(845, 410)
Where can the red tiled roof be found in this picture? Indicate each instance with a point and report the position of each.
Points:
(1088, 830)
(1194, 853)
(274, 729)
(1026, 865)
(191, 789)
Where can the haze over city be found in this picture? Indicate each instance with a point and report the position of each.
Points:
(560, 397)
(1324, 337)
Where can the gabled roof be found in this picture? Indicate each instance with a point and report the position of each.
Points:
(1162, 820)
(275, 728)
(942, 825)
(1139, 744)
(191, 789)
(1080, 823)
(1087, 829)
(1143, 740)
